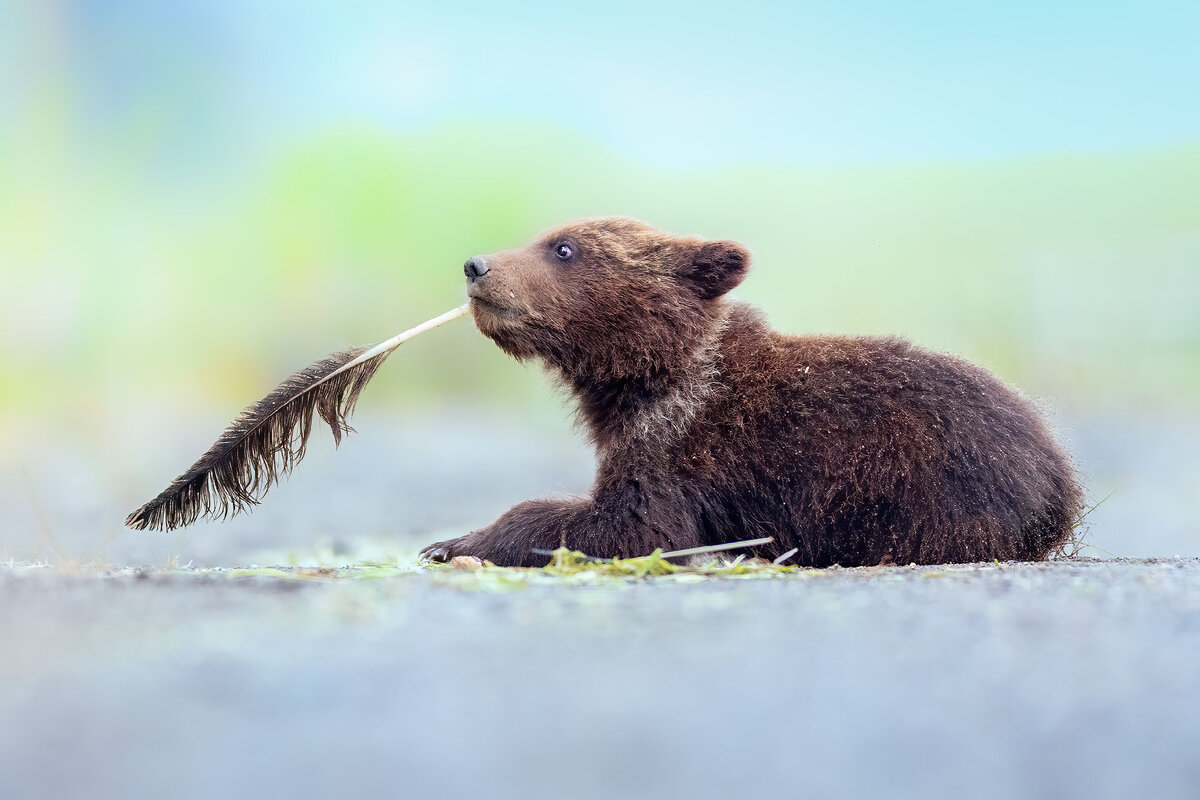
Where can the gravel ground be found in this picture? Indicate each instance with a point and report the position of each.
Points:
(1067, 679)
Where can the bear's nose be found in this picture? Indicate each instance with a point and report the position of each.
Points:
(475, 268)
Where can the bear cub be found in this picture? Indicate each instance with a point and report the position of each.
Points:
(710, 427)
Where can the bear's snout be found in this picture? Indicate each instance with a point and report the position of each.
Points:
(475, 268)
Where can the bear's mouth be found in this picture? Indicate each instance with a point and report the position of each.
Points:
(492, 307)
(482, 301)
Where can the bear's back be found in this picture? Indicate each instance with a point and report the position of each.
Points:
(873, 448)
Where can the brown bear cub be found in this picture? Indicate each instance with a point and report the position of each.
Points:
(710, 427)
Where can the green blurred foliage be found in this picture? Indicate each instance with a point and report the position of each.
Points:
(1077, 276)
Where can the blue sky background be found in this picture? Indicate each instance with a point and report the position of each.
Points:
(692, 84)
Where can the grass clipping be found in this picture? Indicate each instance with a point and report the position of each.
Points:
(567, 563)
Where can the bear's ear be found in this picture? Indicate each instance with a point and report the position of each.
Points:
(715, 267)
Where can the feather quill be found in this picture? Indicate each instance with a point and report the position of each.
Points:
(268, 439)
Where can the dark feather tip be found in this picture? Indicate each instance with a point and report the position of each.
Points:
(266, 441)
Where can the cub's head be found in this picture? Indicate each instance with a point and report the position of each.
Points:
(608, 298)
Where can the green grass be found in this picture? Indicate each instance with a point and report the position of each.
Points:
(1073, 276)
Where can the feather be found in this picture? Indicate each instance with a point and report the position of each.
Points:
(268, 439)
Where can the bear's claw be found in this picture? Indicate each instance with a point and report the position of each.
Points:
(442, 552)
(438, 553)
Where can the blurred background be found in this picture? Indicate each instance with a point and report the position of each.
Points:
(198, 198)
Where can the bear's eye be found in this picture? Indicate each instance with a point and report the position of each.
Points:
(563, 251)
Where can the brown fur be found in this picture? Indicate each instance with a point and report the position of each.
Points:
(710, 427)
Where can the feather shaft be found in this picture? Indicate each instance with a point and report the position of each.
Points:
(400, 338)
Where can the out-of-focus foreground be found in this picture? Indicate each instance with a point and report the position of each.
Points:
(989, 681)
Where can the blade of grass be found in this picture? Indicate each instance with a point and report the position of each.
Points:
(691, 551)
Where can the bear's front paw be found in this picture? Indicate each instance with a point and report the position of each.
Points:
(444, 552)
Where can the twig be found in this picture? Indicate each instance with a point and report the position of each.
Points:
(1080, 528)
(786, 555)
(48, 534)
(1096, 505)
(716, 548)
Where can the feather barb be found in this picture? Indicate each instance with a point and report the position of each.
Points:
(268, 439)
